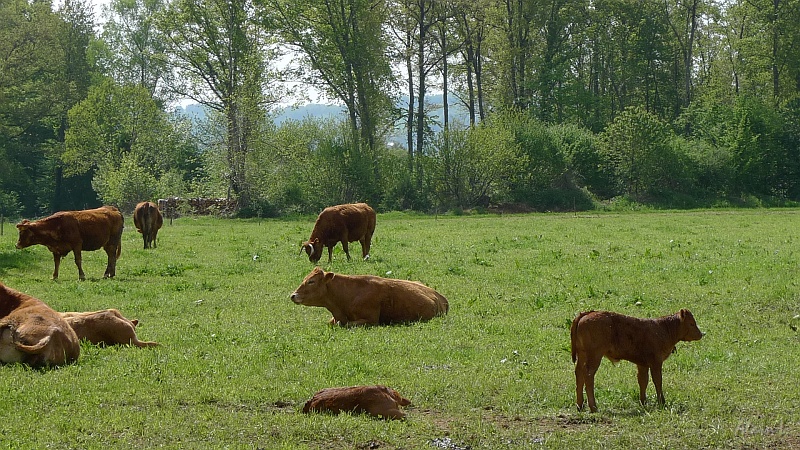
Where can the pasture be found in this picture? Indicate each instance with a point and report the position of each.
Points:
(238, 359)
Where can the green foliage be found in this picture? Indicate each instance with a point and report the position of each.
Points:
(637, 148)
(475, 166)
(125, 184)
(237, 359)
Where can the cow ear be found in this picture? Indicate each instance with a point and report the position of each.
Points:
(22, 224)
(328, 276)
(682, 313)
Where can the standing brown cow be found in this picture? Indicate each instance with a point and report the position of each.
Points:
(33, 333)
(341, 223)
(147, 219)
(644, 342)
(76, 231)
(369, 300)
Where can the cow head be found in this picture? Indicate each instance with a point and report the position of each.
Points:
(26, 234)
(313, 290)
(313, 249)
(689, 327)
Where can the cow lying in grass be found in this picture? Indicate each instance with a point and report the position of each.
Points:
(105, 327)
(33, 333)
(379, 401)
(369, 300)
(341, 223)
(644, 342)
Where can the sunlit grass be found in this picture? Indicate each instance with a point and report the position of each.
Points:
(238, 359)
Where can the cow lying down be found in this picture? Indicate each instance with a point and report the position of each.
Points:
(33, 333)
(379, 401)
(105, 327)
(644, 342)
(369, 300)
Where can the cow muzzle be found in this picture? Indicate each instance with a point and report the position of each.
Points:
(296, 298)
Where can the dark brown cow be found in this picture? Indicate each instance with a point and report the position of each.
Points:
(33, 333)
(369, 300)
(644, 342)
(77, 231)
(105, 327)
(147, 219)
(379, 401)
(341, 223)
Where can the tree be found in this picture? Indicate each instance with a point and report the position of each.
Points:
(137, 47)
(343, 45)
(220, 52)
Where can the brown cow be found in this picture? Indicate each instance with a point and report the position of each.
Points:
(379, 401)
(33, 333)
(644, 342)
(105, 327)
(147, 219)
(369, 300)
(76, 231)
(341, 223)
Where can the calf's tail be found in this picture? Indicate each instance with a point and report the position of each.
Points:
(573, 335)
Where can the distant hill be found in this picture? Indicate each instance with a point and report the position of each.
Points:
(458, 113)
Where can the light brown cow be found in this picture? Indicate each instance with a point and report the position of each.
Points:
(76, 231)
(33, 333)
(147, 220)
(369, 300)
(105, 327)
(644, 342)
(341, 223)
(379, 401)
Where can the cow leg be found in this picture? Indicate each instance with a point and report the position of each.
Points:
(78, 262)
(365, 247)
(655, 371)
(330, 253)
(643, 377)
(111, 267)
(346, 249)
(580, 381)
(153, 235)
(56, 263)
(592, 365)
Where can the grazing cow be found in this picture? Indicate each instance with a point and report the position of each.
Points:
(147, 219)
(33, 333)
(379, 401)
(341, 223)
(644, 342)
(369, 300)
(105, 327)
(76, 231)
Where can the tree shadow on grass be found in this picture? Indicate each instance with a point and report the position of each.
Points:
(15, 260)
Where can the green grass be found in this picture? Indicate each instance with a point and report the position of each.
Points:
(238, 359)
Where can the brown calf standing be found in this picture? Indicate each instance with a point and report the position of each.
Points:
(379, 401)
(147, 220)
(644, 342)
(341, 223)
(76, 231)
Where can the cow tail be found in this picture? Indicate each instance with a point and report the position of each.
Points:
(35, 348)
(573, 335)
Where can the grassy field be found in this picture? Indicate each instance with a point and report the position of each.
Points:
(238, 359)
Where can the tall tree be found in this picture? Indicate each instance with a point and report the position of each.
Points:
(137, 47)
(219, 51)
(343, 45)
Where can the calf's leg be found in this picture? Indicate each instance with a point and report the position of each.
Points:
(655, 371)
(592, 365)
(580, 381)
(346, 249)
(56, 262)
(111, 267)
(643, 377)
